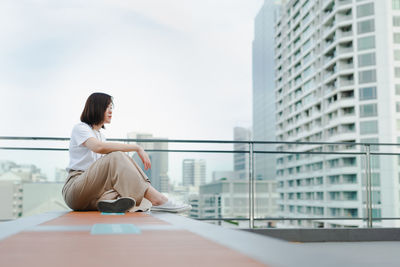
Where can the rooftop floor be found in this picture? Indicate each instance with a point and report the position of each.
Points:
(160, 239)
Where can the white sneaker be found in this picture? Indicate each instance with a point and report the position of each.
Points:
(172, 206)
(122, 204)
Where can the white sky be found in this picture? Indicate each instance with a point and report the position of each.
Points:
(179, 69)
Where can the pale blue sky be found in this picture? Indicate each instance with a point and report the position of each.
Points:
(177, 69)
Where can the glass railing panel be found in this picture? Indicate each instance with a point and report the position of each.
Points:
(295, 184)
(31, 182)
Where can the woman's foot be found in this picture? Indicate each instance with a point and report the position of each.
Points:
(172, 206)
(122, 204)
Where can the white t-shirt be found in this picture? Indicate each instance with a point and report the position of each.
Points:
(81, 157)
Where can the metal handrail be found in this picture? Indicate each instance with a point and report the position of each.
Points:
(252, 152)
(199, 141)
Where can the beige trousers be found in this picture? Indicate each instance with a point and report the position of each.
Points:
(114, 175)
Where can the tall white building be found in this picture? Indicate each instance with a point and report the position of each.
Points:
(263, 89)
(158, 173)
(193, 172)
(337, 78)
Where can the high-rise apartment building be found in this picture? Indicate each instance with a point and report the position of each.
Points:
(263, 89)
(337, 79)
(158, 173)
(241, 160)
(193, 172)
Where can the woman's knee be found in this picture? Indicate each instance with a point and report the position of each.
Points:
(116, 159)
(116, 154)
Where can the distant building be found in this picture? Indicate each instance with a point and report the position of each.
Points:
(241, 160)
(23, 191)
(6, 165)
(10, 196)
(42, 197)
(29, 173)
(224, 175)
(60, 174)
(230, 198)
(263, 89)
(158, 173)
(193, 172)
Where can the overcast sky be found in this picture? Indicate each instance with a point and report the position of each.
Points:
(176, 68)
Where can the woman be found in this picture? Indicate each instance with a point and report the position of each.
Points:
(100, 175)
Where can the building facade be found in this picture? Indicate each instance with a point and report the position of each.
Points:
(263, 88)
(241, 160)
(158, 173)
(11, 196)
(193, 172)
(337, 79)
(230, 199)
(224, 175)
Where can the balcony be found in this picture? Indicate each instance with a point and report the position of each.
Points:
(345, 34)
(344, 16)
(343, 2)
(346, 80)
(344, 50)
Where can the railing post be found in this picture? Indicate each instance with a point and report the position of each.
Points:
(368, 184)
(251, 185)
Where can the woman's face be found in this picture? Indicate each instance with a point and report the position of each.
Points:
(108, 114)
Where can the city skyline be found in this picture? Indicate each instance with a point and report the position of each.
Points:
(151, 84)
(174, 90)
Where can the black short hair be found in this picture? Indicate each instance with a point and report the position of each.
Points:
(95, 107)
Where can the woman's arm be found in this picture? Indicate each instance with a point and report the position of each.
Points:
(100, 147)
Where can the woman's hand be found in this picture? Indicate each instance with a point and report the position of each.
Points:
(145, 158)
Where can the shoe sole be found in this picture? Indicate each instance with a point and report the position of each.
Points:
(155, 208)
(120, 205)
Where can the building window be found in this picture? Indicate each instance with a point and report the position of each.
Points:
(367, 76)
(365, 10)
(371, 140)
(307, 44)
(397, 72)
(376, 197)
(397, 88)
(365, 26)
(349, 178)
(350, 213)
(368, 127)
(307, 58)
(366, 43)
(376, 179)
(366, 60)
(369, 110)
(397, 55)
(376, 213)
(396, 38)
(396, 4)
(397, 106)
(308, 71)
(367, 93)
(396, 21)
